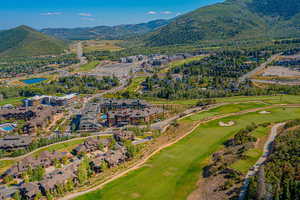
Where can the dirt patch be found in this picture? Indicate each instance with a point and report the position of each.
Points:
(135, 195)
(228, 124)
(209, 189)
(264, 112)
(280, 72)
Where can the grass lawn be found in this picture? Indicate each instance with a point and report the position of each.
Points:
(284, 99)
(14, 101)
(88, 67)
(173, 173)
(66, 146)
(5, 164)
(226, 109)
(180, 62)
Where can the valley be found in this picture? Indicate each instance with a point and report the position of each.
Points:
(203, 105)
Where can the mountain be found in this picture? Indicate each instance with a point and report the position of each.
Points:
(231, 20)
(25, 41)
(105, 32)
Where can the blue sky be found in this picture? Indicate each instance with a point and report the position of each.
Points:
(86, 13)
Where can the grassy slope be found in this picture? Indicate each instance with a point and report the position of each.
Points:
(24, 41)
(88, 67)
(14, 101)
(173, 173)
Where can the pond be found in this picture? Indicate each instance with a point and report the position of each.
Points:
(33, 81)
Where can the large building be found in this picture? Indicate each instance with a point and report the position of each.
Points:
(48, 100)
(133, 116)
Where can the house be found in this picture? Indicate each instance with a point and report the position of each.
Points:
(123, 135)
(132, 116)
(15, 142)
(7, 192)
(29, 190)
(116, 157)
(90, 145)
(46, 159)
(116, 104)
(97, 163)
(58, 177)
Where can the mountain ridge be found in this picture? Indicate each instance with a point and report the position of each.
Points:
(105, 32)
(232, 19)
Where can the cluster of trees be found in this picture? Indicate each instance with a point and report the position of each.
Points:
(244, 136)
(64, 85)
(10, 67)
(214, 76)
(279, 177)
(82, 85)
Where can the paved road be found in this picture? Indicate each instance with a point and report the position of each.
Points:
(261, 67)
(261, 160)
(104, 133)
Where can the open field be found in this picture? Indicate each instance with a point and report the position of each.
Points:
(173, 173)
(180, 62)
(13, 101)
(88, 67)
(279, 99)
(101, 45)
(252, 154)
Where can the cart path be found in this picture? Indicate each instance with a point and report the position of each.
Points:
(261, 160)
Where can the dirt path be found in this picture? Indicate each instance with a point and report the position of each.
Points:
(261, 160)
(144, 160)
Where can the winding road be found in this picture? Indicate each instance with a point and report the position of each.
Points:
(261, 160)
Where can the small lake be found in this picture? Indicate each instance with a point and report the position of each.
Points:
(33, 81)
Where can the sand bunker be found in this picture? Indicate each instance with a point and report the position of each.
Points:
(264, 112)
(231, 123)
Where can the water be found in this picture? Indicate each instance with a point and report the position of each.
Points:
(34, 81)
(7, 128)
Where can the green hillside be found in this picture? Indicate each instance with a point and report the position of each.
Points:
(25, 41)
(232, 20)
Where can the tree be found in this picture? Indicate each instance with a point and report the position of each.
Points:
(17, 195)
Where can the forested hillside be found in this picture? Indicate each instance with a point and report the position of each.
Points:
(25, 41)
(232, 20)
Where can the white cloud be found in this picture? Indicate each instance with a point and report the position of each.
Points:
(152, 13)
(166, 12)
(178, 14)
(88, 19)
(51, 13)
(85, 14)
